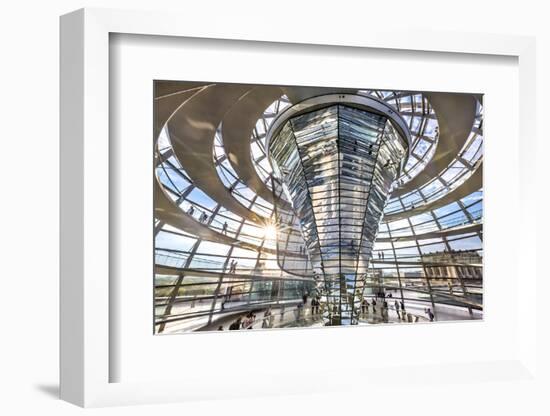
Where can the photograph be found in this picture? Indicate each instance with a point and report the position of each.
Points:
(282, 207)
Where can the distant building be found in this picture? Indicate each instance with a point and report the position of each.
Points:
(465, 264)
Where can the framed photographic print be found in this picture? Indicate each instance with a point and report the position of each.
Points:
(250, 208)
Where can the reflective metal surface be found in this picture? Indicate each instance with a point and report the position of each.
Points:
(336, 164)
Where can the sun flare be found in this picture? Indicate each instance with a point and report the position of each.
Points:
(270, 231)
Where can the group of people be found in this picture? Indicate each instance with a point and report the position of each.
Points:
(247, 321)
(202, 218)
(315, 305)
(233, 266)
(399, 307)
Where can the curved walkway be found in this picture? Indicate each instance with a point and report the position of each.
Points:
(192, 130)
(167, 211)
(162, 269)
(466, 229)
(297, 94)
(472, 184)
(169, 98)
(455, 116)
(237, 127)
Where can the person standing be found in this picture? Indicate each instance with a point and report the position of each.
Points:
(235, 325)
(248, 321)
(365, 306)
(431, 315)
(313, 305)
(396, 306)
(267, 318)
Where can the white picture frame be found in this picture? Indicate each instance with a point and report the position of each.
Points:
(85, 266)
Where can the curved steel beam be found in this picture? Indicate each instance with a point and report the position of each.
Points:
(467, 229)
(164, 89)
(472, 184)
(197, 272)
(237, 127)
(167, 105)
(456, 116)
(297, 93)
(192, 129)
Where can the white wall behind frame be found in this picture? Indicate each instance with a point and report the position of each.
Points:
(29, 348)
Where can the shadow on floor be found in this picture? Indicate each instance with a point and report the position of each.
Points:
(51, 390)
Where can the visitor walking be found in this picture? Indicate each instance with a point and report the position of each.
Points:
(267, 318)
(365, 306)
(314, 307)
(236, 325)
(431, 315)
